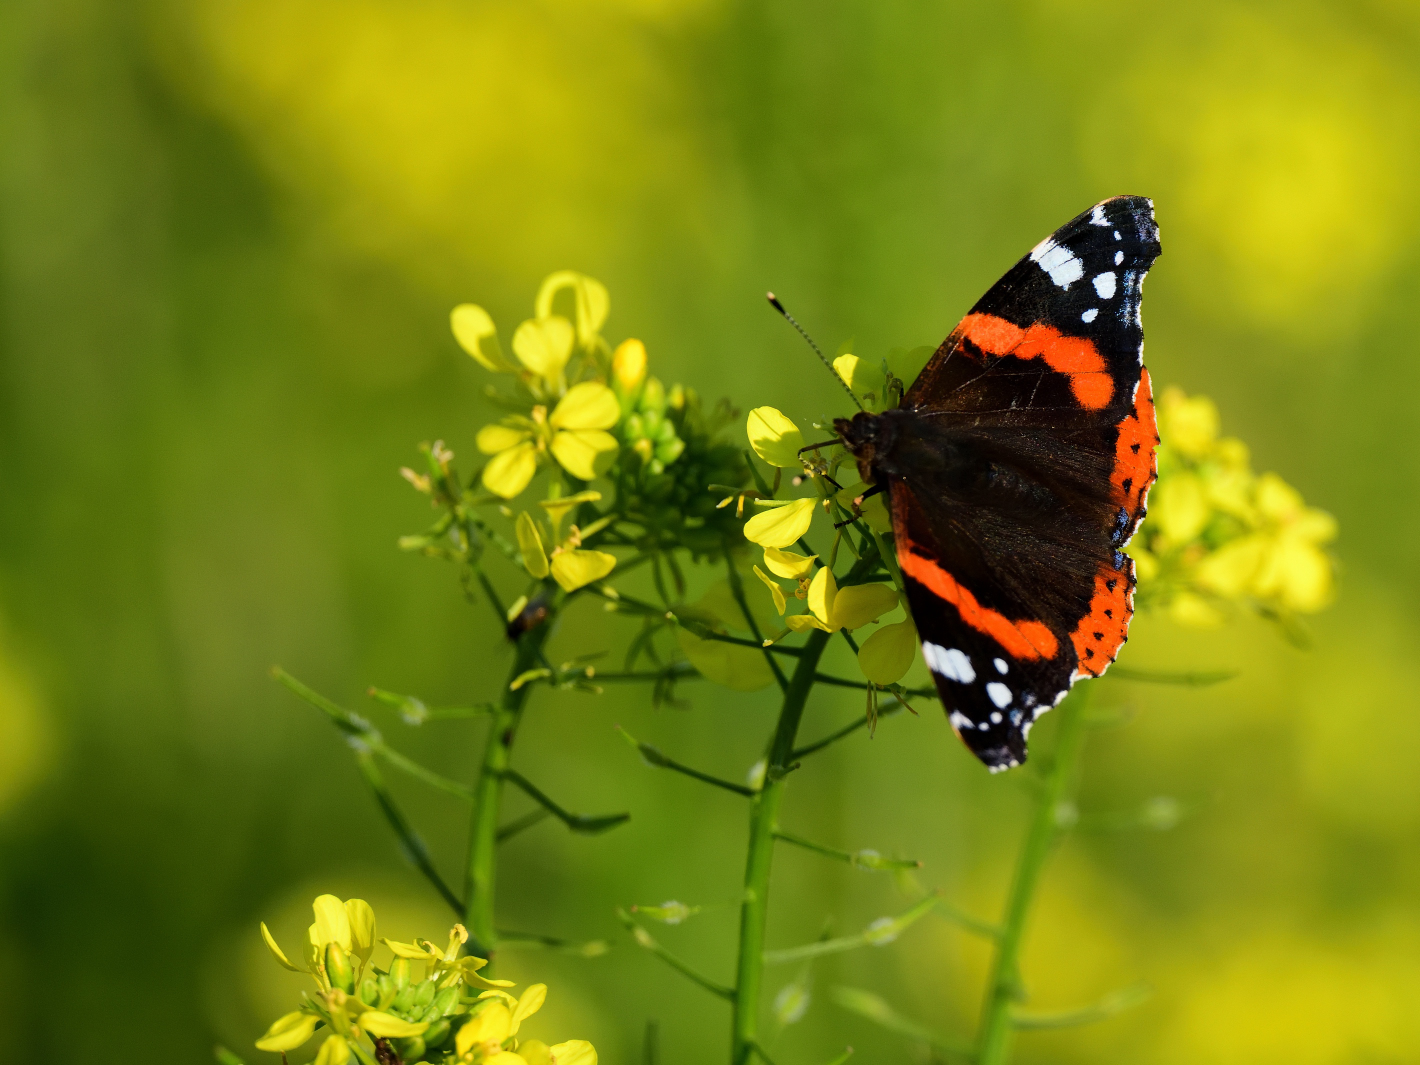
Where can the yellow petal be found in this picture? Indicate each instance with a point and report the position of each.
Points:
(1179, 507)
(362, 928)
(774, 437)
(412, 951)
(492, 439)
(859, 604)
(1297, 574)
(775, 591)
(804, 622)
(589, 405)
(288, 1032)
(492, 1025)
(1276, 499)
(742, 669)
(535, 1052)
(1195, 612)
(628, 365)
(557, 508)
(334, 1051)
(530, 1002)
(332, 922)
(505, 1057)
(863, 377)
(388, 1026)
(823, 590)
(781, 526)
(574, 1052)
(474, 330)
(874, 508)
(1316, 526)
(280, 955)
(787, 564)
(508, 473)
(577, 450)
(1231, 570)
(530, 544)
(886, 654)
(544, 345)
(575, 569)
(593, 303)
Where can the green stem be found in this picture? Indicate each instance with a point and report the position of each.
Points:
(1004, 987)
(763, 825)
(488, 792)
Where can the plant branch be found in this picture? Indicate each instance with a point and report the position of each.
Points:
(653, 757)
(864, 859)
(1202, 678)
(1115, 1002)
(737, 589)
(518, 824)
(846, 730)
(409, 839)
(866, 1004)
(879, 933)
(586, 824)
(1004, 987)
(647, 941)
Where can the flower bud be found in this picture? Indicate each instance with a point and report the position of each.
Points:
(425, 994)
(628, 366)
(437, 1032)
(399, 973)
(405, 999)
(337, 968)
(411, 1049)
(654, 396)
(370, 991)
(443, 1004)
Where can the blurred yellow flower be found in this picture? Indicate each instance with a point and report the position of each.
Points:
(1217, 533)
(628, 366)
(886, 655)
(474, 330)
(832, 608)
(593, 303)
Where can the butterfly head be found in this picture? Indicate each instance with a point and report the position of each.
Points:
(866, 436)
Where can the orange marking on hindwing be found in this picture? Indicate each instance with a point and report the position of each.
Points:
(1076, 357)
(1102, 633)
(1135, 462)
(1020, 639)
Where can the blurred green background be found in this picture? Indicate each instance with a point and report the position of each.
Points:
(232, 232)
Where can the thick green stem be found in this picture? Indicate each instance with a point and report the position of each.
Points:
(762, 827)
(481, 885)
(1004, 987)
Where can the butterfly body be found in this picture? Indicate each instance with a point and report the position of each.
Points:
(1019, 465)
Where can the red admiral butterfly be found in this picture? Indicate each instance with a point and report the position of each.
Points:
(1018, 465)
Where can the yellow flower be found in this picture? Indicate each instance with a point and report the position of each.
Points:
(288, 1032)
(334, 1051)
(628, 366)
(782, 525)
(853, 607)
(544, 345)
(347, 926)
(576, 569)
(1189, 424)
(575, 434)
(474, 330)
(788, 564)
(775, 438)
(874, 508)
(593, 303)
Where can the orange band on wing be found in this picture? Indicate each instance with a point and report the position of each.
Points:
(1076, 357)
(1020, 639)
(1134, 461)
(1102, 632)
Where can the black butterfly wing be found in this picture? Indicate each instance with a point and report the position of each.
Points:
(1025, 453)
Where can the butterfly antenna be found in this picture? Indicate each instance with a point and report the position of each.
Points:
(774, 302)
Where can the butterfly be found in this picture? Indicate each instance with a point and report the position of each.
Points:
(1018, 466)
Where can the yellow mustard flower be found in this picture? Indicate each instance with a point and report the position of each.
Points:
(782, 525)
(887, 654)
(832, 608)
(570, 565)
(774, 437)
(574, 434)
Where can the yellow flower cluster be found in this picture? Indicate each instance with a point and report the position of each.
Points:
(566, 427)
(1218, 534)
(451, 1015)
(886, 655)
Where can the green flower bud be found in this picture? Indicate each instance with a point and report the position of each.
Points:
(404, 999)
(370, 991)
(337, 968)
(653, 397)
(437, 1032)
(443, 1004)
(411, 1049)
(425, 994)
(387, 990)
(399, 973)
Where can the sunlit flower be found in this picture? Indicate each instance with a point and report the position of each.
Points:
(886, 655)
(774, 437)
(782, 525)
(574, 434)
(832, 608)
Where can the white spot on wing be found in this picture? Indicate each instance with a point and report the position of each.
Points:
(1000, 663)
(949, 662)
(1059, 262)
(1104, 284)
(1118, 257)
(995, 717)
(1117, 236)
(1097, 217)
(1090, 315)
(959, 720)
(999, 694)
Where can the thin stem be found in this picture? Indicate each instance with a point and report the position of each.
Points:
(411, 841)
(1004, 988)
(877, 934)
(763, 823)
(481, 882)
(645, 940)
(737, 589)
(588, 824)
(862, 859)
(653, 757)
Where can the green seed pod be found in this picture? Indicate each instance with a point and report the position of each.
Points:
(399, 973)
(337, 968)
